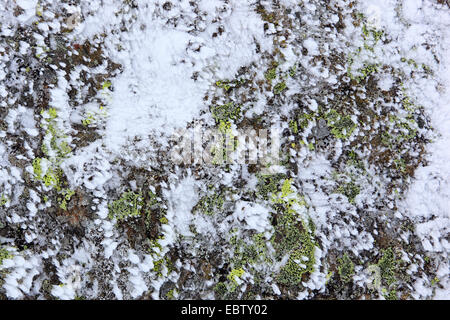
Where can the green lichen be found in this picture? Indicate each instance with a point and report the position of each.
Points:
(230, 84)
(221, 290)
(293, 236)
(106, 85)
(211, 204)
(88, 120)
(388, 264)
(301, 259)
(346, 268)
(340, 126)
(268, 184)
(37, 169)
(248, 253)
(350, 190)
(279, 87)
(226, 144)
(170, 295)
(271, 74)
(5, 254)
(234, 276)
(3, 200)
(66, 196)
(129, 205)
(226, 112)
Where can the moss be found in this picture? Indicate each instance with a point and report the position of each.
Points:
(346, 268)
(350, 190)
(129, 205)
(279, 87)
(340, 126)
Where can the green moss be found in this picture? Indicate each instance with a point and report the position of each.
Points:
(350, 190)
(129, 205)
(346, 268)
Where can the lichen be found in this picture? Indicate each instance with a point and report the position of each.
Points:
(211, 203)
(340, 126)
(5, 254)
(129, 205)
(279, 87)
(346, 268)
(350, 190)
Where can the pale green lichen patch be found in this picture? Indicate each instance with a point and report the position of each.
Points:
(346, 268)
(279, 87)
(129, 205)
(5, 254)
(226, 112)
(350, 190)
(340, 126)
(211, 203)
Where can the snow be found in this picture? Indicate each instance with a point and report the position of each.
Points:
(170, 60)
